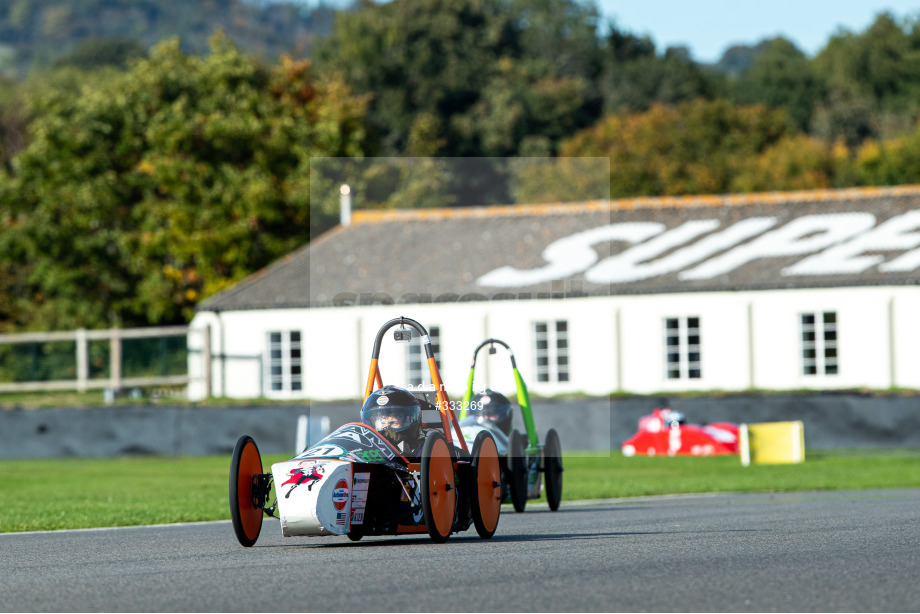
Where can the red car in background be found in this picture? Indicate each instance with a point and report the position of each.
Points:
(665, 432)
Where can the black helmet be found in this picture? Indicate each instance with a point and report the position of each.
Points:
(494, 407)
(394, 412)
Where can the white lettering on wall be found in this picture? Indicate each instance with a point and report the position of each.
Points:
(630, 265)
(904, 223)
(626, 265)
(894, 234)
(801, 236)
(903, 263)
(831, 244)
(570, 255)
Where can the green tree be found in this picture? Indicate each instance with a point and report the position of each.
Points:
(470, 77)
(15, 294)
(635, 77)
(137, 198)
(424, 59)
(13, 121)
(795, 162)
(889, 162)
(873, 82)
(560, 179)
(781, 76)
(694, 148)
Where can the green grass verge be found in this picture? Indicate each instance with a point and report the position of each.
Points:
(589, 477)
(50, 494)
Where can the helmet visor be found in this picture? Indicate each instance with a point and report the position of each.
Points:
(494, 412)
(393, 417)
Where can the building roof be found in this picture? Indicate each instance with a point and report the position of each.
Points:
(807, 239)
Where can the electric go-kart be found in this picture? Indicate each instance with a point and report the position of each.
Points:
(354, 482)
(665, 432)
(523, 458)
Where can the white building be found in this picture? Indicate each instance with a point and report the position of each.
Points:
(780, 291)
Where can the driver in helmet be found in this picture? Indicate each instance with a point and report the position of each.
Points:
(396, 414)
(491, 408)
(672, 418)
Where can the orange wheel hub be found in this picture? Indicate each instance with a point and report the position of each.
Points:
(250, 515)
(441, 489)
(489, 484)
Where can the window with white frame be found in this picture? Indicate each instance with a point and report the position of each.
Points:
(284, 367)
(819, 343)
(417, 362)
(682, 348)
(551, 345)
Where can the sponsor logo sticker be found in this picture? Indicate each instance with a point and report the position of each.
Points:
(370, 456)
(359, 499)
(324, 450)
(383, 400)
(362, 481)
(307, 472)
(340, 494)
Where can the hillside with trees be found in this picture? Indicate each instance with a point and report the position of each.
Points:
(37, 34)
(142, 169)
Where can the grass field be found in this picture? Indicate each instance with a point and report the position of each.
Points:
(49, 494)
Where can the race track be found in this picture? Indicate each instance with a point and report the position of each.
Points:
(800, 552)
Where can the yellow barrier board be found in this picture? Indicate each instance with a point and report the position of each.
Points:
(772, 442)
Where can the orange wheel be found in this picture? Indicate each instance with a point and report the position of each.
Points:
(245, 500)
(487, 492)
(439, 493)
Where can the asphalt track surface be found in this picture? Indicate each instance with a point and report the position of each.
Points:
(798, 552)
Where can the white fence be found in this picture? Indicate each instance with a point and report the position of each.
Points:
(113, 376)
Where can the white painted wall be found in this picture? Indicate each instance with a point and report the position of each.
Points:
(905, 333)
(749, 340)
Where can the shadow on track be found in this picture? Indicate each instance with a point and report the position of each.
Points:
(376, 542)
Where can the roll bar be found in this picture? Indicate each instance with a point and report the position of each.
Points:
(445, 410)
(523, 398)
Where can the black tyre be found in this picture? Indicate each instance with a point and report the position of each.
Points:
(439, 493)
(245, 498)
(487, 485)
(552, 469)
(517, 463)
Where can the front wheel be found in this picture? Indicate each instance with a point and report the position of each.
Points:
(552, 468)
(487, 489)
(517, 463)
(246, 500)
(439, 493)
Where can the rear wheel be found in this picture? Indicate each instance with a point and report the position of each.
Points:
(439, 493)
(552, 469)
(246, 498)
(487, 490)
(517, 463)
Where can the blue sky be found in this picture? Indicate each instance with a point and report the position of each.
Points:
(709, 27)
